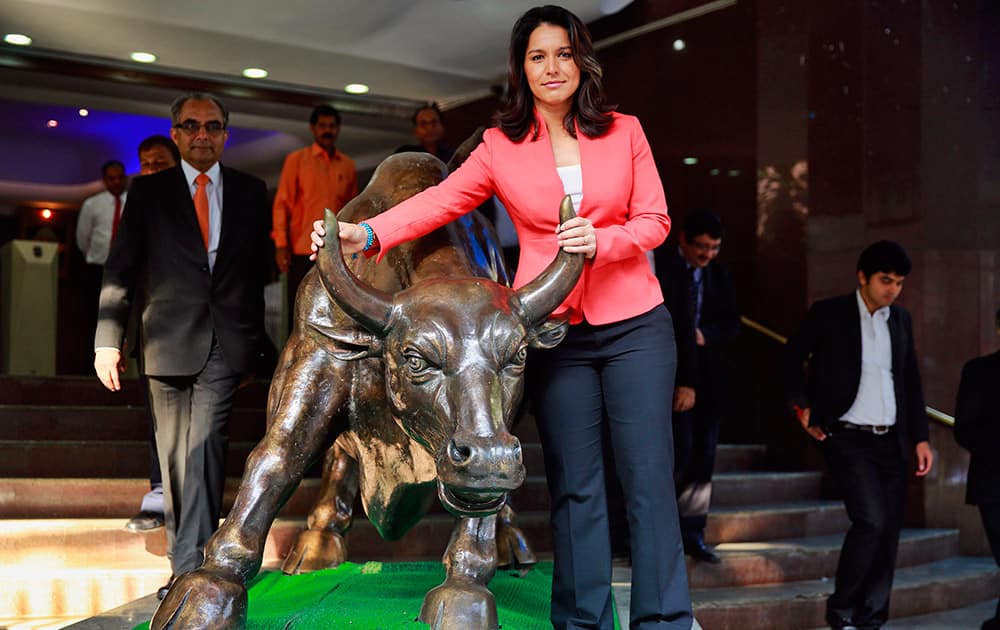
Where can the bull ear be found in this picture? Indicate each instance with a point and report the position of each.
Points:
(350, 344)
(549, 333)
(542, 295)
(365, 304)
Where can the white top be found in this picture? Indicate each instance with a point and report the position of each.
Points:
(93, 226)
(214, 204)
(875, 403)
(572, 179)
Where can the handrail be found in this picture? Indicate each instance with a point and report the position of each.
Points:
(932, 413)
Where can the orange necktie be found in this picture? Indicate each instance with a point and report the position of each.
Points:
(201, 204)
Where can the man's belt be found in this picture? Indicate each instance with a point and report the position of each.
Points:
(869, 428)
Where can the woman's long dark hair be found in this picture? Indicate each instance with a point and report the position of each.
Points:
(589, 109)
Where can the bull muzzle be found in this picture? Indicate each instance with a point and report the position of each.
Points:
(475, 473)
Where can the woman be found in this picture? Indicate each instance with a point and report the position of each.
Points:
(557, 135)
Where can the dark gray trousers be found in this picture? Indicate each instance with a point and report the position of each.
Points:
(190, 415)
(622, 374)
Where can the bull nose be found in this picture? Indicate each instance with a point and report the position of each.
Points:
(468, 452)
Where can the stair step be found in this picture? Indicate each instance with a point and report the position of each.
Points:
(119, 498)
(788, 560)
(764, 488)
(949, 583)
(739, 457)
(87, 390)
(799, 519)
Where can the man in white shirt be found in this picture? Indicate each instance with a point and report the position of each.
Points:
(95, 227)
(863, 402)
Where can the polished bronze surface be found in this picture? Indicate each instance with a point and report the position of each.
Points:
(417, 364)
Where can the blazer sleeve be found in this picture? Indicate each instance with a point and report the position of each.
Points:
(970, 407)
(800, 346)
(725, 326)
(460, 193)
(121, 270)
(647, 223)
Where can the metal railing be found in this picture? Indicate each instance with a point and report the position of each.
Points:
(932, 413)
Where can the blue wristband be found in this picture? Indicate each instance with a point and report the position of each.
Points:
(371, 236)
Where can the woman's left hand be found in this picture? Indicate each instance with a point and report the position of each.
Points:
(578, 236)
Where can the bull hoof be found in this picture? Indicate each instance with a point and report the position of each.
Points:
(513, 551)
(313, 550)
(460, 605)
(203, 600)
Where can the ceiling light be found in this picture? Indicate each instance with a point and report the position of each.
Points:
(84, 112)
(254, 73)
(356, 88)
(714, 171)
(17, 39)
(143, 57)
(690, 161)
(679, 45)
(52, 123)
(733, 172)
(46, 214)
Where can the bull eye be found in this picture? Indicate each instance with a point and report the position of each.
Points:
(516, 363)
(416, 364)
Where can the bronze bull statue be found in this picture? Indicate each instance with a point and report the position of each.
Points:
(417, 363)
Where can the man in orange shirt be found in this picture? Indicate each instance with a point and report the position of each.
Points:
(313, 178)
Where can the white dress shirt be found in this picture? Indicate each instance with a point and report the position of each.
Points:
(875, 403)
(214, 204)
(93, 226)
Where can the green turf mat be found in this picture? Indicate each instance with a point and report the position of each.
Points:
(384, 596)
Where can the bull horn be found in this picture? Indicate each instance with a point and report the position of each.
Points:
(542, 295)
(365, 304)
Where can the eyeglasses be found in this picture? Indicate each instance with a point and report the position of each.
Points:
(191, 127)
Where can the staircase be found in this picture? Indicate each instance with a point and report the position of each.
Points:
(73, 466)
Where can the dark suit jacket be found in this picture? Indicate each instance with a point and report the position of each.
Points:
(977, 427)
(158, 251)
(699, 367)
(831, 333)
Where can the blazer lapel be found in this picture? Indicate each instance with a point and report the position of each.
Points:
(895, 341)
(230, 207)
(185, 208)
(853, 320)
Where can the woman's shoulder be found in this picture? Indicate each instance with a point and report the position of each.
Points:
(624, 121)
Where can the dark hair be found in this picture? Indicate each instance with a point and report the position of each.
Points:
(111, 164)
(160, 141)
(885, 257)
(590, 109)
(178, 104)
(432, 106)
(701, 221)
(323, 110)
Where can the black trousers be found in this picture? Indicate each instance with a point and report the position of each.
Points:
(870, 471)
(621, 374)
(696, 437)
(190, 414)
(991, 523)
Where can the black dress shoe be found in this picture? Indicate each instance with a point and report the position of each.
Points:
(162, 591)
(144, 522)
(702, 552)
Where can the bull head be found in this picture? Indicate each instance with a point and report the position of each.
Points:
(454, 352)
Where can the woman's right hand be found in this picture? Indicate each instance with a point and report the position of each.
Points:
(352, 238)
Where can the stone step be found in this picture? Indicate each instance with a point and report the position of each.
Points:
(792, 559)
(87, 390)
(731, 489)
(800, 519)
(130, 459)
(119, 498)
(739, 457)
(925, 588)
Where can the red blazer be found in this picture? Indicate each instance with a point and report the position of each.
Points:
(622, 197)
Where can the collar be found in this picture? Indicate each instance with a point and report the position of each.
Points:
(315, 150)
(881, 314)
(191, 172)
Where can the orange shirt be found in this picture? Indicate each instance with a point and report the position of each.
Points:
(310, 181)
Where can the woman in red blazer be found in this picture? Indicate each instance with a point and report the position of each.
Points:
(556, 135)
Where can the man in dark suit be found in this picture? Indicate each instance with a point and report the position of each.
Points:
(977, 428)
(699, 296)
(864, 403)
(193, 243)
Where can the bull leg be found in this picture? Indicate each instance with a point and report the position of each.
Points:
(323, 544)
(462, 601)
(214, 596)
(513, 551)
